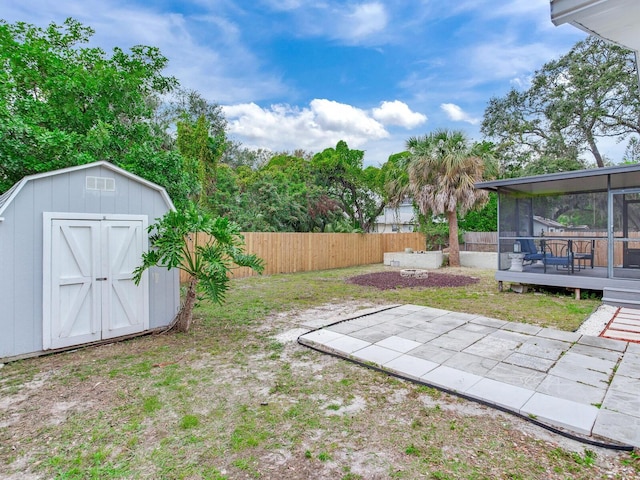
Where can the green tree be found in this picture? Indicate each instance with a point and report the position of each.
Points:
(443, 168)
(65, 104)
(587, 94)
(217, 247)
(482, 220)
(196, 146)
(358, 191)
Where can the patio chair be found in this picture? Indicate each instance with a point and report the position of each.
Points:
(557, 253)
(528, 247)
(583, 252)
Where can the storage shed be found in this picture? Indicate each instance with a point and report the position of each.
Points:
(69, 242)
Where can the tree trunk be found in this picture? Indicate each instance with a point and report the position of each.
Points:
(454, 246)
(596, 152)
(185, 315)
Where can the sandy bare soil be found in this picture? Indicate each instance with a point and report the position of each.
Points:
(267, 407)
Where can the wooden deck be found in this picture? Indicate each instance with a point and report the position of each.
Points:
(588, 278)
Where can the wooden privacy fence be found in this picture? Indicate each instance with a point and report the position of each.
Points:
(481, 241)
(304, 252)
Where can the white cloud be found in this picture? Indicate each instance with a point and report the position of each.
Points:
(355, 24)
(321, 125)
(366, 19)
(455, 113)
(340, 117)
(398, 113)
(505, 59)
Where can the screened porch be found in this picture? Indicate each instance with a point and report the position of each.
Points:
(578, 230)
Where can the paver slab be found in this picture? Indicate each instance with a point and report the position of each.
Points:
(571, 371)
(322, 336)
(514, 375)
(522, 328)
(376, 354)
(492, 347)
(456, 340)
(623, 395)
(563, 413)
(398, 344)
(347, 344)
(451, 379)
(617, 426)
(344, 327)
(629, 366)
(528, 361)
(544, 348)
(418, 335)
(412, 366)
(561, 335)
(588, 362)
(572, 390)
(602, 353)
(370, 334)
(600, 342)
(470, 363)
(489, 322)
(433, 353)
(500, 393)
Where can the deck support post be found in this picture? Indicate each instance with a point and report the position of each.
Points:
(500, 286)
(577, 291)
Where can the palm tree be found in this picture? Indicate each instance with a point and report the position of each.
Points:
(443, 168)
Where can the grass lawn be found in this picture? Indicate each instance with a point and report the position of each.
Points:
(238, 398)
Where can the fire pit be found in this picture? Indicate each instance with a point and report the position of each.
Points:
(414, 273)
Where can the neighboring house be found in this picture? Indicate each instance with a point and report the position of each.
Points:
(542, 226)
(69, 242)
(397, 220)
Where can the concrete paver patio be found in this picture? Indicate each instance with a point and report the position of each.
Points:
(581, 386)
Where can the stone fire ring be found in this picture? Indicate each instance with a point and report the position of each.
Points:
(414, 273)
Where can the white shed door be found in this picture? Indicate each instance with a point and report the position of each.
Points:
(90, 294)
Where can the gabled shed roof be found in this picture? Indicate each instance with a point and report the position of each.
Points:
(7, 197)
(577, 181)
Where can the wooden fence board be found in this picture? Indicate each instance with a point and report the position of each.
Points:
(303, 252)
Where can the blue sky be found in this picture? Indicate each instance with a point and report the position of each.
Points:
(304, 74)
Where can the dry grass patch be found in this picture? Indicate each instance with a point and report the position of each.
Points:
(238, 398)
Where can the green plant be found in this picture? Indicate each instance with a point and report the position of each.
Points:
(633, 460)
(412, 450)
(217, 247)
(349, 475)
(324, 457)
(189, 421)
(588, 458)
(151, 404)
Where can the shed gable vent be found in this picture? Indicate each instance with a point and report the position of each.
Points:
(105, 184)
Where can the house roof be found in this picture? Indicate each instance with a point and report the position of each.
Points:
(548, 222)
(7, 197)
(577, 181)
(613, 20)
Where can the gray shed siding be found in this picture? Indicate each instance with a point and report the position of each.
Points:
(21, 249)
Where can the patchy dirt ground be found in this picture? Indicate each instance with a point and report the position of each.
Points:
(394, 279)
(227, 402)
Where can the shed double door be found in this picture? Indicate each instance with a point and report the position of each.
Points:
(89, 290)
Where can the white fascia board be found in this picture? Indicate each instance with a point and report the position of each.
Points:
(617, 21)
(570, 11)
